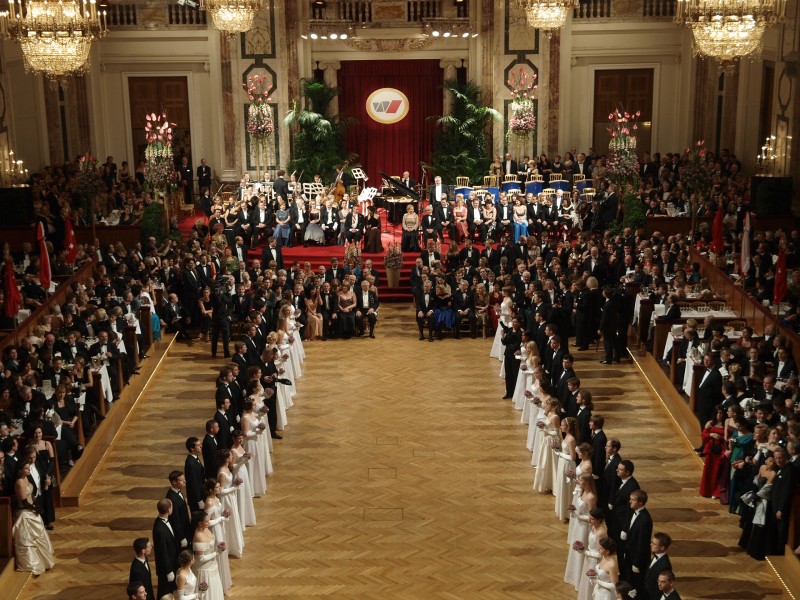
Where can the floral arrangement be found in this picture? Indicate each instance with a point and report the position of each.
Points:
(221, 547)
(622, 165)
(523, 121)
(237, 481)
(263, 410)
(696, 174)
(159, 173)
(352, 253)
(89, 183)
(260, 120)
(202, 586)
(591, 573)
(555, 444)
(247, 455)
(570, 473)
(578, 546)
(393, 259)
(571, 508)
(540, 424)
(226, 513)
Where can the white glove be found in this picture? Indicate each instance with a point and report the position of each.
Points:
(207, 557)
(201, 504)
(184, 543)
(623, 535)
(170, 577)
(634, 569)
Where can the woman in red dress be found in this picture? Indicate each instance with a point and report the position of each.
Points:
(713, 447)
(495, 298)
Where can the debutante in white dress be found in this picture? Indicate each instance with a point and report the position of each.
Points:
(604, 588)
(578, 532)
(189, 591)
(257, 468)
(591, 558)
(523, 377)
(294, 327)
(545, 457)
(217, 526)
(247, 512)
(562, 485)
(505, 318)
(286, 365)
(205, 567)
(233, 527)
(265, 439)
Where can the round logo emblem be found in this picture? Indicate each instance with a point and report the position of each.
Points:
(387, 106)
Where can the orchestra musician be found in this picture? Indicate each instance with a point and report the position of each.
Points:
(407, 181)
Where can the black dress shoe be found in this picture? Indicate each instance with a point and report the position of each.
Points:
(277, 437)
(430, 339)
(582, 349)
(506, 397)
(372, 335)
(605, 362)
(421, 337)
(49, 527)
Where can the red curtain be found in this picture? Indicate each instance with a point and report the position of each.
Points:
(400, 146)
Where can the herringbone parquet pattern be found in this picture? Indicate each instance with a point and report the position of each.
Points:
(402, 475)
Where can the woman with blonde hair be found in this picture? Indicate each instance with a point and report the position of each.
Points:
(547, 442)
(460, 216)
(410, 225)
(585, 500)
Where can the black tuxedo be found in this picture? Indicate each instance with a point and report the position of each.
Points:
(430, 227)
(512, 340)
(269, 254)
(427, 260)
(619, 499)
(636, 549)
(708, 395)
(781, 501)
(195, 476)
(224, 439)
(608, 475)
(210, 449)
(435, 193)
(166, 548)
(651, 576)
(141, 573)
(179, 519)
(281, 188)
(509, 167)
(363, 307)
(354, 227)
(475, 225)
(598, 442)
(444, 214)
(203, 181)
(584, 433)
(425, 305)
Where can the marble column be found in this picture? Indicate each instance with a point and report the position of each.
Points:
(553, 86)
(331, 78)
(232, 161)
(727, 138)
(450, 74)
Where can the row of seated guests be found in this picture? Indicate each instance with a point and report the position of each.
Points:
(612, 544)
(202, 520)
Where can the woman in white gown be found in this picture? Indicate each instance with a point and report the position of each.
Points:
(284, 363)
(217, 522)
(32, 546)
(254, 428)
(185, 579)
(578, 535)
(545, 453)
(607, 571)
(537, 399)
(205, 558)
(227, 493)
(564, 468)
(529, 361)
(597, 531)
(532, 364)
(506, 307)
(247, 512)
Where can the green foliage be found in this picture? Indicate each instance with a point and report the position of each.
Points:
(153, 222)
(634, 213)
(459, 148)
(318, 136)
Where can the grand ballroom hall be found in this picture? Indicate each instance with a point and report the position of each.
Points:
(429, 435)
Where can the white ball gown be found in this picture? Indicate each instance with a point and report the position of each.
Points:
(189, 591)
(32, 547)
(257, 469)
(563, 487)
(244, 495)
(233, 527)
(217, 525)
(205, 567)
(545, 457)
(523, 378)
(591, 558)
(505, 318)
(604, 589)
(578, 532)
(265, 439)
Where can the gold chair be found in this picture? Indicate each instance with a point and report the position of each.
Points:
(549, 192)
(716, 305)
(490, 181)
(462, 181)
(510, 179)
(589, 192)
(578, 177)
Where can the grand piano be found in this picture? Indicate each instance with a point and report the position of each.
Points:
(395, 198)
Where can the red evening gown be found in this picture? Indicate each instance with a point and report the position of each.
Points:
(713, 448)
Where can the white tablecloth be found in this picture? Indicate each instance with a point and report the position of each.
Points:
(102, 371)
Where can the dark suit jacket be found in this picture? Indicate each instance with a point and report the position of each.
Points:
(598, 443)
(267, 256)
(619, 499)
(281, 188)
(143, 575)
(166, 548)
(637, 546)
(210, 449)
(354, 221)
(195, 476)
(709, 392)
(426, 258)
(419, 301)
(584, 433)
(372, 301)
(651, 577)
(223, 436)
(179, 519)
(608, 474)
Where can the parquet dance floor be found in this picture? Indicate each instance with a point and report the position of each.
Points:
(401, 475)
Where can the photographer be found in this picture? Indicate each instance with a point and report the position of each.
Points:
(221, 321)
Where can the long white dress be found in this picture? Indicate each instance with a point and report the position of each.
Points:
(578, 532)
(294, 326)
(32, 546)
(257, 469)
(217, 525)
(591, 558)
(505, 318)
(189, 591)
(545, 457)
(265, 439)
(233, 527)
(244, 495)
(205, 567)
(563, 487)
(604, 589)
(288, 368)
(523, 378)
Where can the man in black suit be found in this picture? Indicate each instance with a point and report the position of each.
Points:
(424, 299)
(224, 438)
(659, 563)
(491, 254)
(204, 175)
(437, 190)
(509, 165)
(667, 591)
(187, 181)
(443, 213)
(329, 309)
(619, 499)
(464, 305)
(140, 567)
(599, 458)
(584, 416)
(608, 326)
(430, 256)
(475, 221)
(505, 218)
(635, 537)
(329, 221)
(260, 222)
(298, 217)
(166, 548)
(407, 181)
(781, 500)
(272, 252)
(179, 518)
(709, 390)
(366, 308)
(512, 340)
(176, 316)
(595, 265)
(429, 225)
(281, 187)
(354, 225)
(210, 449)
(556, 364)
(194, 474)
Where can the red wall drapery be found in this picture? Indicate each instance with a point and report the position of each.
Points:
(399, 146)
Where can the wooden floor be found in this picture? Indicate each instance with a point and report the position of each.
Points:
(402, 475)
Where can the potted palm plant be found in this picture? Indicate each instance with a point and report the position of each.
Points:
(393, 261)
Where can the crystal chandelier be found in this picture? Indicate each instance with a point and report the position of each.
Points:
(232, 16)
(729, 29)
(55, 36)
(547, 15)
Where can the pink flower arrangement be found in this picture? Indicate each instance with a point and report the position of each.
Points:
(622, 164)
(571, 508)
(159, 171)
(591, 573)
(523, 88)
(570, 473)
(260, 121)
(578, 546)
(555, 444)
(291, 339)
(247, 455)
(540, 424)
(226, 513)
(202, 586)
(237, 481)
(221, 546)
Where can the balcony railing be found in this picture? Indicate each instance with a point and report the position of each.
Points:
(592, 9)
(658, 8)
(149, 15)
(604, 9)
(388, 13)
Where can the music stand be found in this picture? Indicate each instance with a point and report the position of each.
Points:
(359, 176)
(313, 190)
